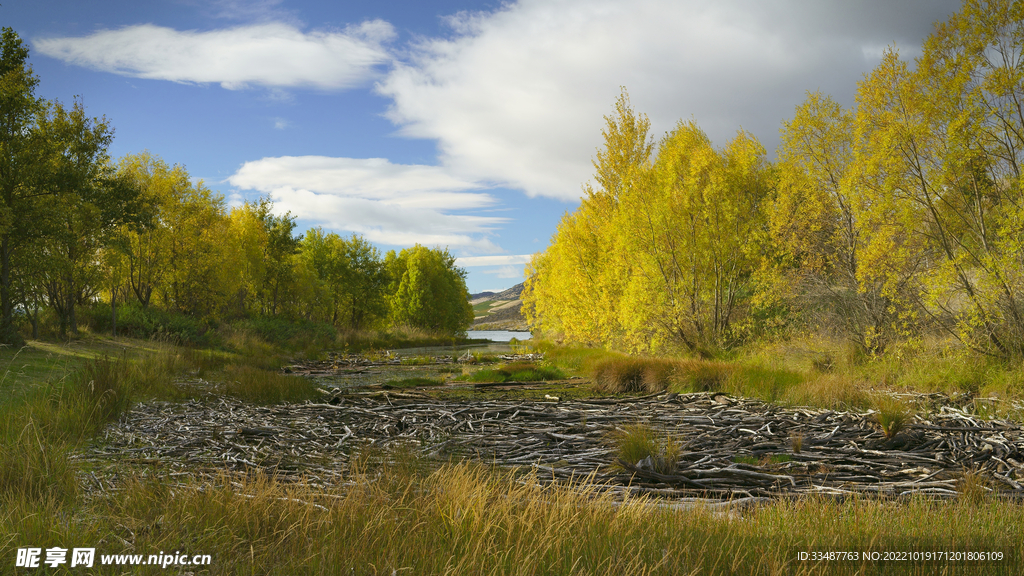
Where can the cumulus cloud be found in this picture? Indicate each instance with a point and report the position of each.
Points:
(387, 203)
(517, 95)
(272, 54)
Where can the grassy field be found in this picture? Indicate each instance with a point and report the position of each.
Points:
(396, 513)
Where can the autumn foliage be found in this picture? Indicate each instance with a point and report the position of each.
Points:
(900, 217)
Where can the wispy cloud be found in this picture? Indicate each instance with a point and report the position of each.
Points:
(272, 55)
(281, 123)
(509, 272)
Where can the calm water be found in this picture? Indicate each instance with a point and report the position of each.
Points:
(497, 335)
(498, 344)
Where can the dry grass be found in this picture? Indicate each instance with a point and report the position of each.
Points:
(833, 391)
(466, 519)
(396, 515)
(626, 374)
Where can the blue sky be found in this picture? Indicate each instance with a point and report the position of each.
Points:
(464, 124)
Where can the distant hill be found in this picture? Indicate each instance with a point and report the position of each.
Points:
(499, 310)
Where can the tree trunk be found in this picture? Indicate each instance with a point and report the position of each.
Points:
(113, 312)
(8, 333)
(72, 301)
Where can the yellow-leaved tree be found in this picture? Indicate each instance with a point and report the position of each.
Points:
(661, 254)
(938, 177)
(573, 289)
(816, 237)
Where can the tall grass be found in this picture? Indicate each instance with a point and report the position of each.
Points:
(892, 415)
(264, 387)
(466, 519)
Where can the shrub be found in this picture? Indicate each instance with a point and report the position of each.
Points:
(621, 374)
(626, 374)
(151, 322)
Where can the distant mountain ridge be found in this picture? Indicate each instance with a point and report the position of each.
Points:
(512, 293)
(499, 310)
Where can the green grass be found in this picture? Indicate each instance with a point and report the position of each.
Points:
(265, 387)
(638, 442)
(516, 372)
(892, 415)
(482, 308)
(411, 383)
(766, 460)
(574, 360)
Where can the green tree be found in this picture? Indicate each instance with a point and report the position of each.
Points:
(267, 248)
(145, 247)
(351, 278)
(428, 291)
(20, 204)
(87, 203)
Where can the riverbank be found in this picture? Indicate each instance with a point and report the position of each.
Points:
(418, 461)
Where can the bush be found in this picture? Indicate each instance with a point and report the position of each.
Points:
(893, 415)
(625, 374)
(151, 322)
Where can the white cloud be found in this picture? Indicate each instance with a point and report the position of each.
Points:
(508, 272)
(392, 204)
(471, 261)
(517, 96)
(407, 185)
(281, 123)
(271, 54)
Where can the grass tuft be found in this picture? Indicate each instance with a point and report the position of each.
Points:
(893, 415)
(639, 443)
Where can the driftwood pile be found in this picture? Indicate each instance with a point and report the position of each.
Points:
(729, 447)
